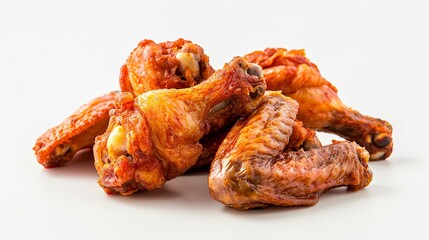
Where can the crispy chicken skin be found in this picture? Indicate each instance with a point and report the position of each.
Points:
(155, 137)
(150, 66)
(252, 169)
(301, 138)
(58, 145)
(175, 64)
(319, 105)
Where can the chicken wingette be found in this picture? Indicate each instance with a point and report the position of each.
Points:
(253, 169)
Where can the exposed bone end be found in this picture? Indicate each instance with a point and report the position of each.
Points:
(250, 68)
(117, 142)
(379, 145)
(257, 92)
(61, 150)
(255, 70)
(59, 156)
(382, 140)
(189, 62)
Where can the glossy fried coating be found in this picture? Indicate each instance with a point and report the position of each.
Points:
(320, 107)
(150, 66)
(251, 168)
(58, 145)
(175, 64)
(301, 138)
(155, 137)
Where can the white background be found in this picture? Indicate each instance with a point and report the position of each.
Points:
(55, 56)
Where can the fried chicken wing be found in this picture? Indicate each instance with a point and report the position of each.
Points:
(58, 145)
(150, 66)
(155, 137)
(252, 169)
(175, 64)
(320, 107)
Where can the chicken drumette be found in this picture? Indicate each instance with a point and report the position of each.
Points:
(155, 137)
(252, 169)
(319, 106)
(175, 64)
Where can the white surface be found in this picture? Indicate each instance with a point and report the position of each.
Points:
(55, 56)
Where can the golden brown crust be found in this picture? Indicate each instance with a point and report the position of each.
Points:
(251, 168)
(155, 137)
(320, 107)
(58, 145)
(150, 66)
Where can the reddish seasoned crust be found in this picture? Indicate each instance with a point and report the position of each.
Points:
(155, 66)
(152, 66)
(288, 71)
(252, 169)
(322, 110)
(140, 158)
(59, 144)
(301, 138)
(162, 128)
(320, 107)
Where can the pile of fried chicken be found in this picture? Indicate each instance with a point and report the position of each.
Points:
(254, 121)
